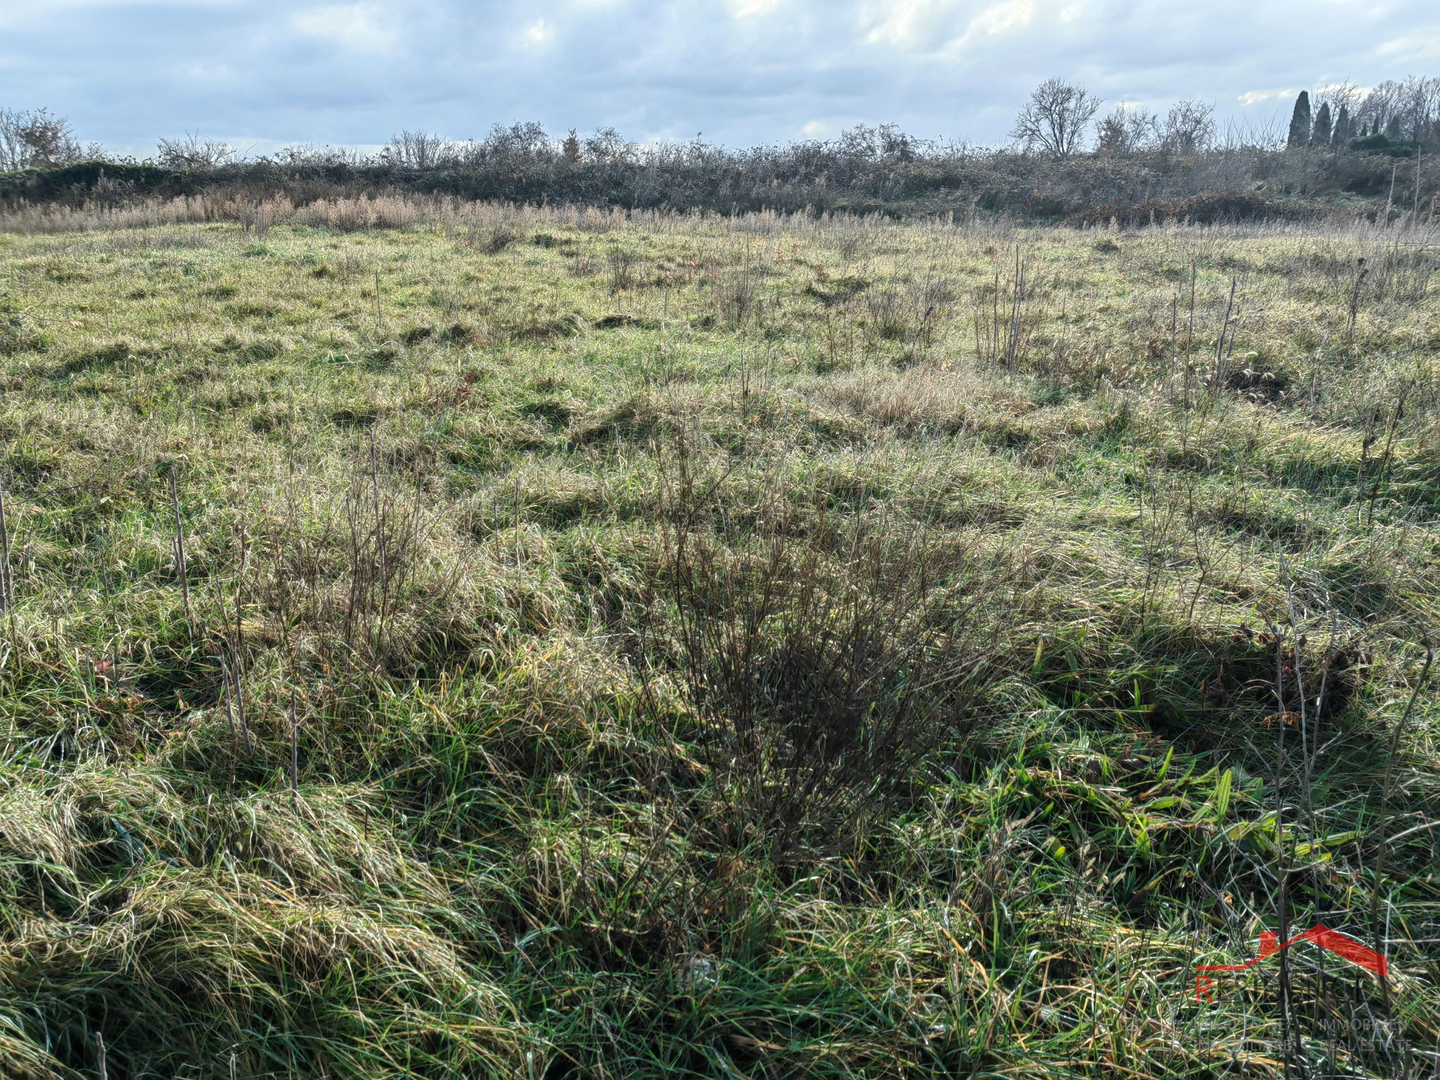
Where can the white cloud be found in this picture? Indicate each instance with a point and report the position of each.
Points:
(1255, 97)
(744, 71)
(814, 129)
(363, 27)
(1423, 49)
(901, 22)
(933, 25)
(1004, 16)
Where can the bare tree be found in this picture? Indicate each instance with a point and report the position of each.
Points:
(1189, 127)
(1054, 119)
(1343, 98)
(1418, 102)
(194, 154)
(860, 141)
(896, 145)
(607, 144)
(1342, 95)
(519, 142)
(1126, 130)
(418, 150)
(35, 139)
(14, 152)
(1378, 107)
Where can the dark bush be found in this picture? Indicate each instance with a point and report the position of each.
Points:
(827, 655)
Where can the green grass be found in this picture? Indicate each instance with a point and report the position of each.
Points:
(754, 647)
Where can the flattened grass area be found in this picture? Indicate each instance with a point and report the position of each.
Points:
(492, 504)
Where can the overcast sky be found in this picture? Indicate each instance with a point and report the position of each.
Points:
(262, 73)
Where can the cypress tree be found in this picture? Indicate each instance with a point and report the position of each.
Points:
(1300, 121)
(1321, 136)
(1392, 129)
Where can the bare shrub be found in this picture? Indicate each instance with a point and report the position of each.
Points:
(827, 654)
(496, 238)
(1004, 316)
(384, 535)
(310, 155)
(607, 146)
(736, 294)
(911, 311)
(418, 150)
(621, 263)
(518, 145)
(194, 154)
(1126, 131)
(886, 307)
(351, 581)
(1189, 128)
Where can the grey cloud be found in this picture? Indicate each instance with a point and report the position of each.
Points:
(353, 72)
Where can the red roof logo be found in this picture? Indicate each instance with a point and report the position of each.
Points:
(1338, 943)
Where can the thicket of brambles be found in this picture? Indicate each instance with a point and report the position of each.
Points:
(1358, 150)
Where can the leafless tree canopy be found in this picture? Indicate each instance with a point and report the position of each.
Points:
(194, 154)
(33, 138)
(1412, 105)
(886, 142)
(1054, 119)
(1127, 130)
(1189, 127)
(520, 142)
(418, 150)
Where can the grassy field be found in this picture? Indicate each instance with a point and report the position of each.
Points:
(678, 646)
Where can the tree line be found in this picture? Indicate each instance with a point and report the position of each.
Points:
(1396, 112)
(1056, 121)
(1062, 164)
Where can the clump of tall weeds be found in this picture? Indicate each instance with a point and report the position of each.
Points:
(352, 582)
(826, 653)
